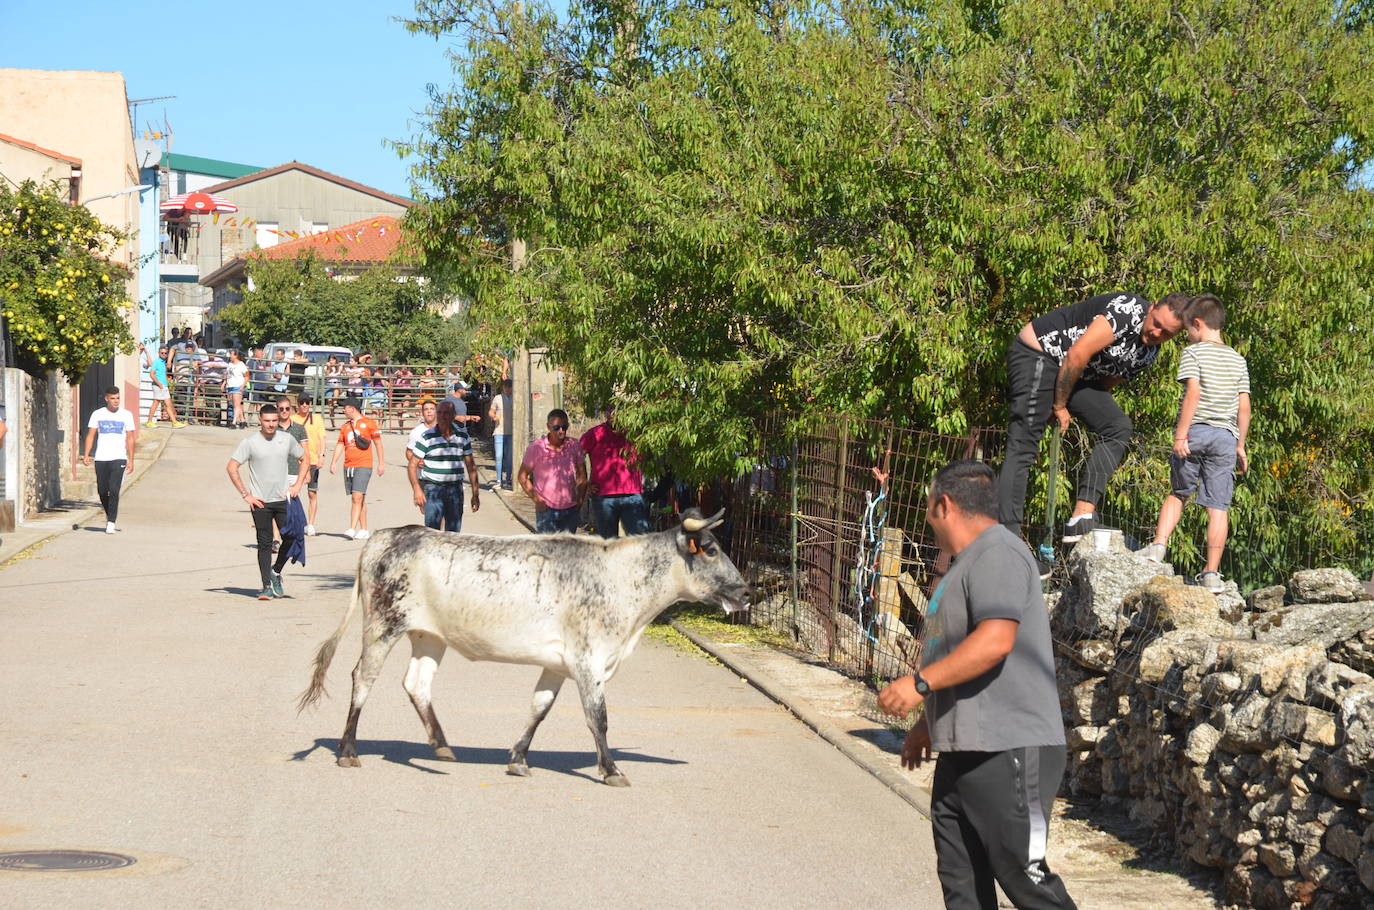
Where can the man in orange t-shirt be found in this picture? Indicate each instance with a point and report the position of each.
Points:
(359, 437)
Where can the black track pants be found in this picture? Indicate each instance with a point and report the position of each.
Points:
(990, 813)
(1030, 394)
(262, 523)
(109, 477)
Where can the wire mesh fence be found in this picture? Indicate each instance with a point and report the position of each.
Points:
(830, 528)
(831, 531)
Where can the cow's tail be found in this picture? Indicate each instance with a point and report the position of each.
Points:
(325, 655)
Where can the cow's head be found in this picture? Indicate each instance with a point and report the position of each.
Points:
(711, 577)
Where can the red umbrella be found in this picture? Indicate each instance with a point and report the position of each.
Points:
(197, 204)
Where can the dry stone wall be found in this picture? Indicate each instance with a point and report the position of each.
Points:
(1240, 729)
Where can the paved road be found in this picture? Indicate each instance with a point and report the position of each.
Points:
(147, 707)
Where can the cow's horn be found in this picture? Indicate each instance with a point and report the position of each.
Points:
(696, 525)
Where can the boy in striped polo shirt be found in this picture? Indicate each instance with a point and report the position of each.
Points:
(443, 458)
(1209, 438)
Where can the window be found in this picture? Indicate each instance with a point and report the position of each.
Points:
(317, 227)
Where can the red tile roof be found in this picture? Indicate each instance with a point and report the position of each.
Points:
(307, 169)
(370, 240)
(38, 148)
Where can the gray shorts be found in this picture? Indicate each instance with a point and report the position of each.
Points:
(160, 393)
(356, 480)
(1209, 470)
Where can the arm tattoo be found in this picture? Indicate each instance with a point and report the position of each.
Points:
(1064, 383)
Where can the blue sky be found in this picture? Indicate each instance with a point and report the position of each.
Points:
(256, 82)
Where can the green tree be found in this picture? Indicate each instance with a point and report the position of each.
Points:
(298, 300)
(63, 301)
(741, 207)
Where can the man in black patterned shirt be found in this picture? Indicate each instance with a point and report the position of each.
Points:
(1064, 364)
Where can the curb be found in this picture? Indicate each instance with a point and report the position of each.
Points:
(915, 796)
(826, 730)
(78, 518)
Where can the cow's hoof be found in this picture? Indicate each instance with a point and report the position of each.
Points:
(518, 770)
(617, 780)
(444, 753)
(349, 761)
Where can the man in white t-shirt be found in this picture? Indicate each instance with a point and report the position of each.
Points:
(429, 415)
(110, 436)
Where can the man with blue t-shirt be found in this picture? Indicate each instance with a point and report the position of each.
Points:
(991, 704)
(161, 393)
(110, 437)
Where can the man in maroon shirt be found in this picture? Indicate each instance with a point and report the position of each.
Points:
(617, 486)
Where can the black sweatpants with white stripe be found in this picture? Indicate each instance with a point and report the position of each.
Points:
(991, 813)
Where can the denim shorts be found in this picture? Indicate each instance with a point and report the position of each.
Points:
(1209, 469)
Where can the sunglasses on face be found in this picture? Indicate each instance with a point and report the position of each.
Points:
(558, 428)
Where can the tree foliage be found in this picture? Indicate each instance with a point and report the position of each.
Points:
(63, 300)
(739, 207)
(298, 300)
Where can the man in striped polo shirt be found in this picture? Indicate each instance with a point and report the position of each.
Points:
(443, 458)
(1209, 438)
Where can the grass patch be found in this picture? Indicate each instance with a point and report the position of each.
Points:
(710, 622)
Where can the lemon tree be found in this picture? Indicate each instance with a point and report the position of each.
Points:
(63, 301)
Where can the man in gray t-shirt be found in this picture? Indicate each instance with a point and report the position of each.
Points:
(991, 704)
(266, 453)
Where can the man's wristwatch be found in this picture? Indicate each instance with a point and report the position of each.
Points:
(922, 687)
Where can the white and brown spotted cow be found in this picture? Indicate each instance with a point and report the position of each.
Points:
(573, 605)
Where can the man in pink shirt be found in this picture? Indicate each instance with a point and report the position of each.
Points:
(554, 474)
(617, 487)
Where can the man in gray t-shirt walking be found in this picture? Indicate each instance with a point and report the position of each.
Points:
(991, 704)
(266, 453)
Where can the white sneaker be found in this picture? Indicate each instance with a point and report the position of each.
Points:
(110, 527)
(309, 530)
(351, 534)
(362, 534)
(1153, 552)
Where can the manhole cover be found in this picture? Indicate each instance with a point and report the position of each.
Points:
(60, 860)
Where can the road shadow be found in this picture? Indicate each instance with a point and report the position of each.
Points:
(331, 580)
(406, 753)
(241, 592)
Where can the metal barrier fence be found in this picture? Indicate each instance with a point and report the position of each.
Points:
(830, 528)
(390, 393)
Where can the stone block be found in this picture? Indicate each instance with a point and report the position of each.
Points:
(1266, 600)
(1327, 683)
(1356, 652)
(1322, 586)
(1365, 867)
(1201, 743)
(1090, 702)
(1267, 662)
(1186, 648)
(1247, 729)
(1166, 604)
(1320, 727)
(1279, 859)
(1094, 654)
(1325, 623)
(1099, 581)
(1083, 737)
(1343, 842)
